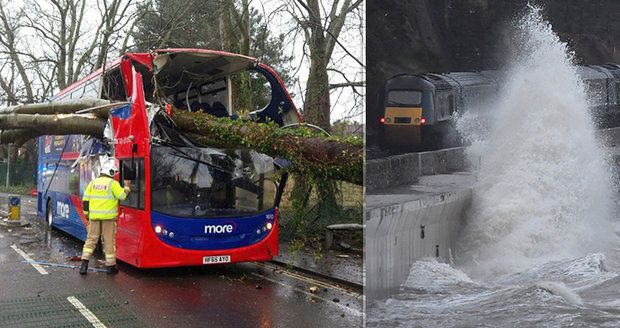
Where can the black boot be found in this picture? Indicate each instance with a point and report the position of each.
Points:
(113, 269)
(84, 267)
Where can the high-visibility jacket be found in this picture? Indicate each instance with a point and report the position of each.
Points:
(101, 198)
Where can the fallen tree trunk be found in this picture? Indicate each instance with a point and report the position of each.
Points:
(19, 128)
(22, 127)
(65, 107)
(54, 124)
(325, 157)
(311, 155)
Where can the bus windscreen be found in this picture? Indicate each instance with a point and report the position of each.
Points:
(203, 182)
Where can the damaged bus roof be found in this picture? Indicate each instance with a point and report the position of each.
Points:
(174, 75)
(211, 63)
(207, 64)
(174, 70)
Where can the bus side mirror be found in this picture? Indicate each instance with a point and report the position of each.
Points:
(129, 173)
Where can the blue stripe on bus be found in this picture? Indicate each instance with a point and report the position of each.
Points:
(72, 224)
(193, 234)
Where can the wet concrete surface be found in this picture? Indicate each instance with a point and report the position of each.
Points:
(341, 264)
(236, 295)
(427, 187)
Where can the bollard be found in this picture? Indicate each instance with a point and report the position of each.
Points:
(14, 208)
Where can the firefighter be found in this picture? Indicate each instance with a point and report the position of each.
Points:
(100, 203)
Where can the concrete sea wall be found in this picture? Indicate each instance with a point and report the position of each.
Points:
(405, 169)
(399, 234)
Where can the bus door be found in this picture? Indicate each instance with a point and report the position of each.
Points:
(132, 213)
(131, 140)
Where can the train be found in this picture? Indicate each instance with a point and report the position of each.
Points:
(418, 109)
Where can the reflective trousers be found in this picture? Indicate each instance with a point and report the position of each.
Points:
(106, 229)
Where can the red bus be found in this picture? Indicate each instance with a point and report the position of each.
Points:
(190, 204)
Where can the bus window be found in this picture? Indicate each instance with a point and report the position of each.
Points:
(135, 198)
(404, 98)
(74, 181)
(251, 92)
(78, 93)
(196, 182)
(210, 98)
(113, 86)
(91, 89)
(64, 97)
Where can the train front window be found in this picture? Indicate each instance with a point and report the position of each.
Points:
(194, 182)
(404, 98)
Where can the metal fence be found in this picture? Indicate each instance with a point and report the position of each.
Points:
(24, 174)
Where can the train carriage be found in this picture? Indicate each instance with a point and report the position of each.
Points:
(419, 108)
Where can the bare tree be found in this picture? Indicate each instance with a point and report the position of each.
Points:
(75, 35)
(9, 30)
(47, 45)
(321, 24)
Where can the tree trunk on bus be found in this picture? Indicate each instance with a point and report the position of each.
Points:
(54, 124)
(311, 155)
(19, 128)
(67, 107)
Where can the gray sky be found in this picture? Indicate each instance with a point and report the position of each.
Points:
(344, 102)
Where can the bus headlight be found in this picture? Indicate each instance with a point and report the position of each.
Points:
(158, 229)
(269, 225)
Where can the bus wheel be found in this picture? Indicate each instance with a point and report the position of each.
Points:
(49, 217)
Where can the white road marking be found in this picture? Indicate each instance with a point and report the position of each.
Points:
(342, 306)
(28, 259)
(86, 312)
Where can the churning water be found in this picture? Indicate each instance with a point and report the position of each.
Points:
(540, 246)
(544, 187)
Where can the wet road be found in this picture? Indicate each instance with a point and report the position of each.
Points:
(238, 295)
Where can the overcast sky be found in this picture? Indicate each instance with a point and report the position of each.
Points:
(344, 104)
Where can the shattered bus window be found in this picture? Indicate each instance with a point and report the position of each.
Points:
(251, 92)
(113, 87)
(210, 97)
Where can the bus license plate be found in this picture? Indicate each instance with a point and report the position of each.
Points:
(216, 259)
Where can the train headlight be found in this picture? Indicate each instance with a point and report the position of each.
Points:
(157, 229)
(382, 120)
(269, 225)
(422, 120)
(171, 235)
